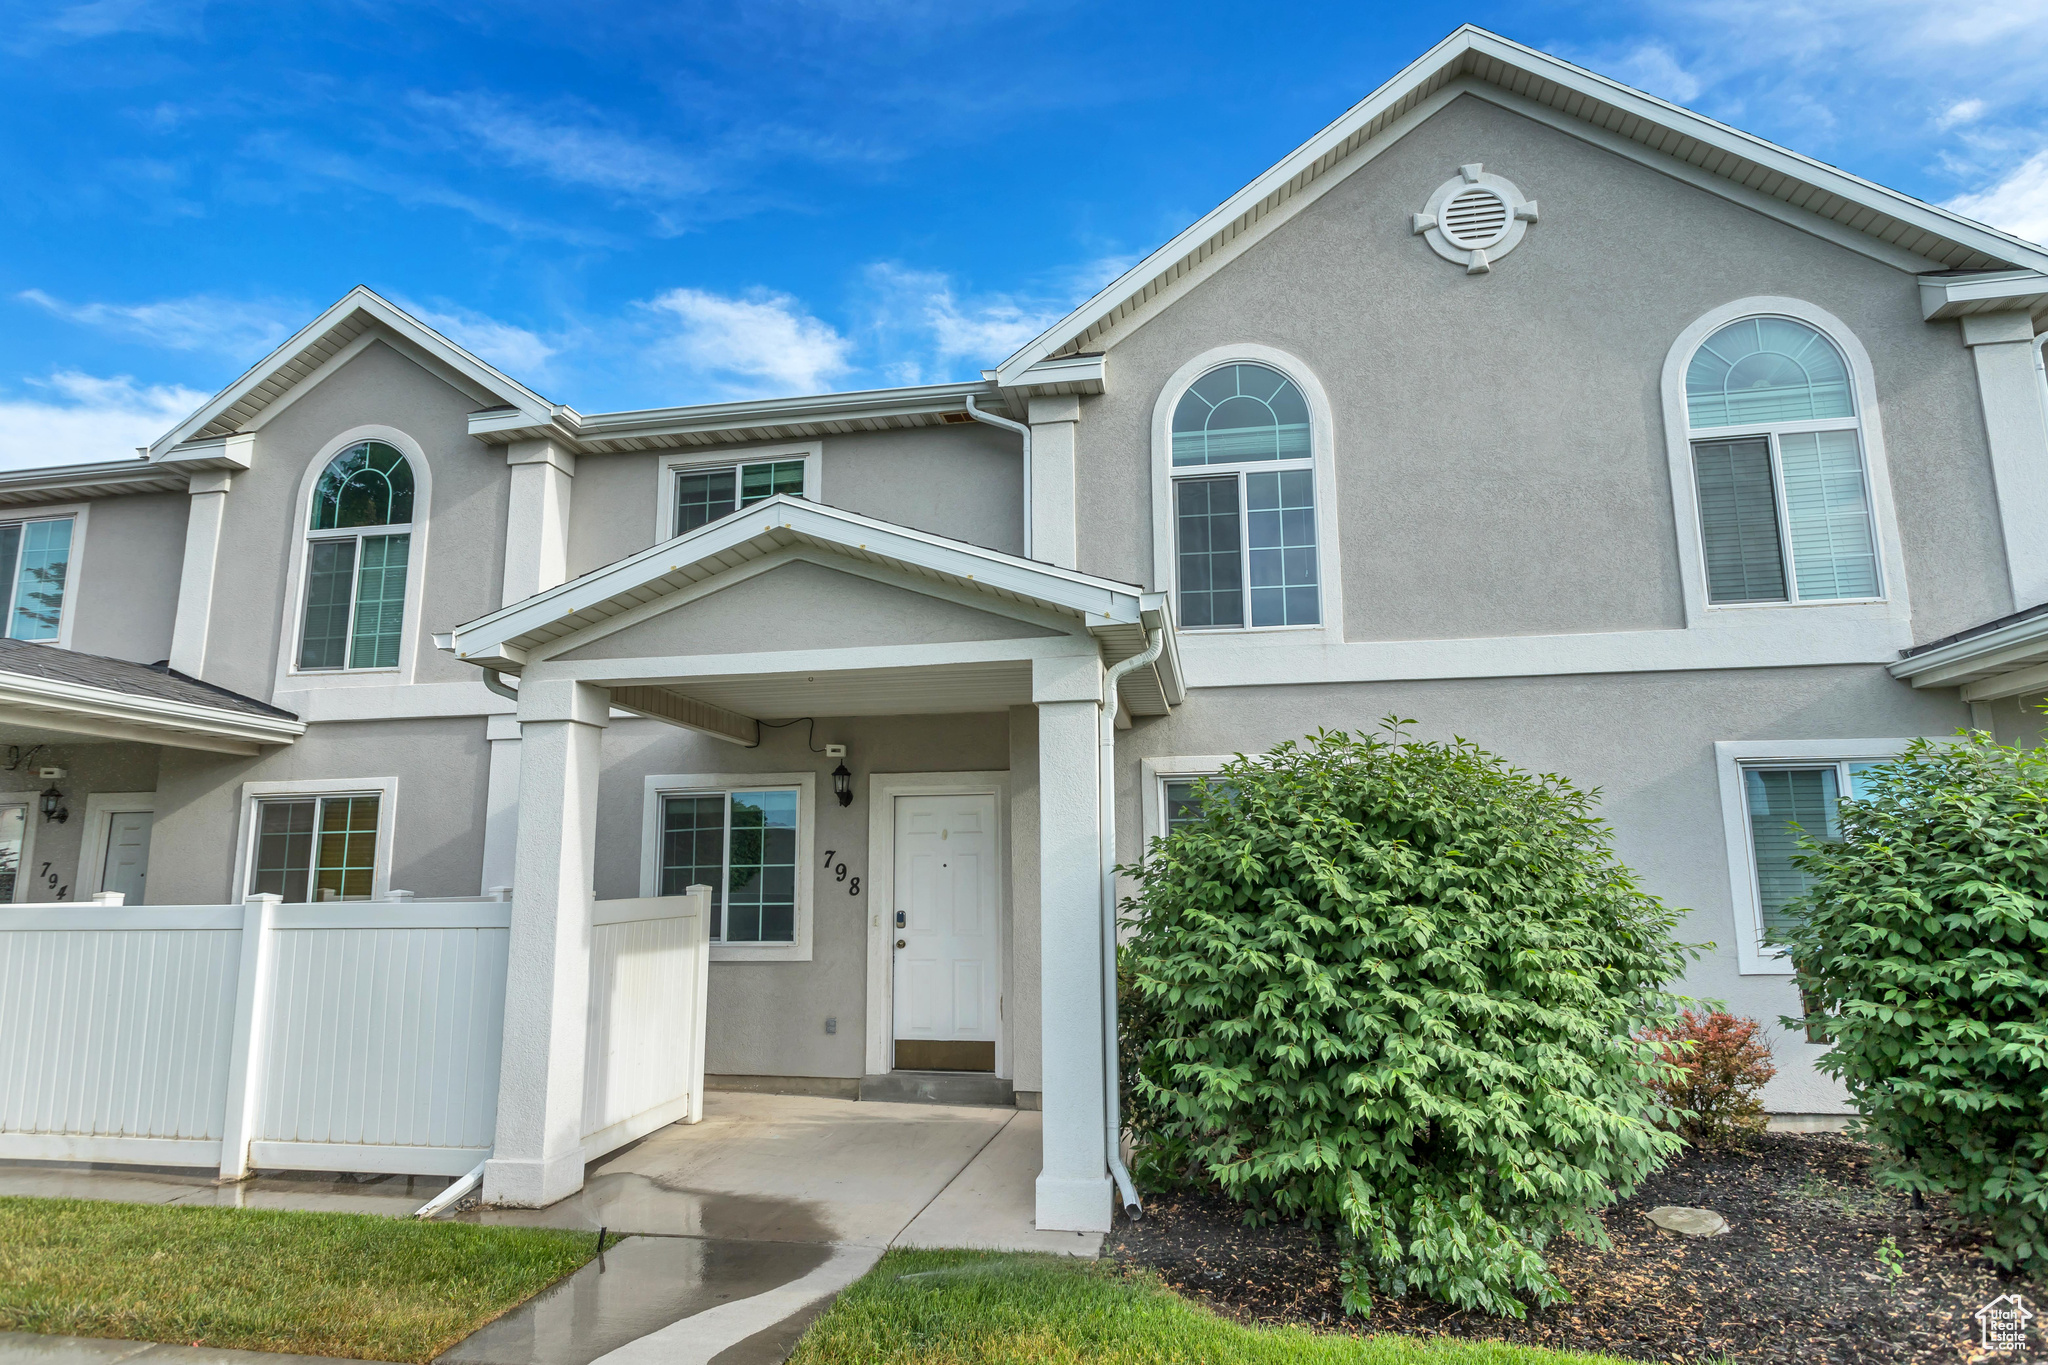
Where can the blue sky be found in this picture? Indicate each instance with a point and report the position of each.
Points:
(638, 205)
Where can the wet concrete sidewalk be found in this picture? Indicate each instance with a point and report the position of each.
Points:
(740, 1229)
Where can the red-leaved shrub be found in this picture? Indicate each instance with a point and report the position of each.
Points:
(1721, 1064)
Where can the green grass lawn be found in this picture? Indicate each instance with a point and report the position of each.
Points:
(978, 1308)
(339, 1284)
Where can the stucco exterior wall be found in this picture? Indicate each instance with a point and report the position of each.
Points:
(1499, 439)
(2020, 720)
(127, 584)
(463, 563)
(960, 481)
(1644, 740)
(768, 1018)
(443, 772)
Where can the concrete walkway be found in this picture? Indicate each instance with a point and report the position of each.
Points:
(742, 1228)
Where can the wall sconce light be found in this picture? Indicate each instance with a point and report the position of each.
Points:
(53, 805)
(842, 785)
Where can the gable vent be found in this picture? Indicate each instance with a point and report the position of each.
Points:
(1476, 218)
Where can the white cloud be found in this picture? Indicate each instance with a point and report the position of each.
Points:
(80, 418)
(1652, 67)
(243, 330)
(515, 350)
(1960, 113)
(2017, 204)
(572, 151)
(760, 344)
(920, 313)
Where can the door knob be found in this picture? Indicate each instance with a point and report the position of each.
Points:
(899, 943)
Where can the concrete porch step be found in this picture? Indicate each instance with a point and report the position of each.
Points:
(938, 1087)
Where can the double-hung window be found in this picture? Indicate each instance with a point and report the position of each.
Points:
(743, 845)
(35, 568)
(1785, 802)
(1777, 447)
(703, 494)
(1244, 502)
(357, 552)
(316, 848)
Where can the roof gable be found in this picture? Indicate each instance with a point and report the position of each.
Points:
(1717, 155)
(360, 315)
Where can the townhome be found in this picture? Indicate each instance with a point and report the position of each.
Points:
(1515, 402)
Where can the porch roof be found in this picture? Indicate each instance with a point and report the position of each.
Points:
(2007, 657)
(92, 697)
(1117, 615)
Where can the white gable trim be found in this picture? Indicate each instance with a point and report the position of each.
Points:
(361, 307)
(1302, 168)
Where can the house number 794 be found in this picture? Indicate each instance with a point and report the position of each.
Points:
(838, 871)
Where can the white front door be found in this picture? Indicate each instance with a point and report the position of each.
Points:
(947, 933)
(127, 864)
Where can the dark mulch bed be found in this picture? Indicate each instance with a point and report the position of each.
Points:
(1797, 1279)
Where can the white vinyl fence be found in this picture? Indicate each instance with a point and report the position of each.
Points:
(329, 1037)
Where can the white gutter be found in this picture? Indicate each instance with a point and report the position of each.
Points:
(1155, 641)
(1023, 430)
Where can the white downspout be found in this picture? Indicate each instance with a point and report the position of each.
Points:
(1023, 430)
(1155, 640)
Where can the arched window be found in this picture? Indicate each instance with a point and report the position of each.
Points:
(358, 541)
(1244, 505)
(1784, 498)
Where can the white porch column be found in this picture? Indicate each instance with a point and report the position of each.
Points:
(2016, 425)
(209, 488)
(538, 1156)
(537, 519)
(1055, 471)
(1073, 1183)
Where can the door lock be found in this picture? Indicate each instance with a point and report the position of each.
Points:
(900, 943)
(902, 919)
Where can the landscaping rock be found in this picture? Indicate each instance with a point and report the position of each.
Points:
(1691, 1222)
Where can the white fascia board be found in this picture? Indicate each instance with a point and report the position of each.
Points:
(98, 703)
(1471, 39)
(1950, 296)
(710, 419)
(2009, 647)
(488, 636)
(358, 299)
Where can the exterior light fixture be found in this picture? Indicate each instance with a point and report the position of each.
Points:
(53, 805)
(842, 785)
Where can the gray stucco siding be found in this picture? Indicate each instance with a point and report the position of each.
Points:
(443, 772)
(768, 1018)
(1645, 741)
(1501, 460)
(463, 563)
(802, 605)
(128, 570)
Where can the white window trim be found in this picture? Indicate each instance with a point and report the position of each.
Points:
(1731, 757)
(385, 788)
(1174, 768)
(883, 789)
(1323, 461)
(68, 613)
(28, 840)
(1679, 436)
(289, 676)
(812, 453)
(659, 785)
(100, 810)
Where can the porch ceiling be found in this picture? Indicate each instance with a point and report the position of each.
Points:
(1116, 616)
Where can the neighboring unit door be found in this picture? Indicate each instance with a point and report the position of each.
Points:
(127, 865)
(948, 964)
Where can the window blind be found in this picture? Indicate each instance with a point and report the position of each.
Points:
(1739, 521)
(1784, 804)
(1829, 515)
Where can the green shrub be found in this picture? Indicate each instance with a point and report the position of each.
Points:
(1922, 951)
(1393, 988)
(1720, 1067)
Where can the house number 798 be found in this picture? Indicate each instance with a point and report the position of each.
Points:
(838, 871)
